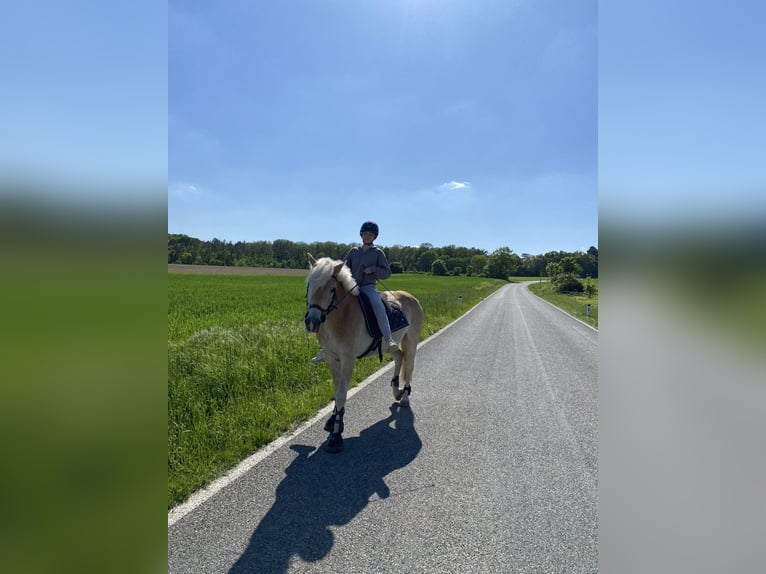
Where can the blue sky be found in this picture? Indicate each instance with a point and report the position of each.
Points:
(682, 126)
(459, 122)
(84, 98)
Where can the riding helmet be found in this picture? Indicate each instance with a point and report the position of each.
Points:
(369, 226)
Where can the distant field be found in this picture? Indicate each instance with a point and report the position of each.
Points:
(238, 361)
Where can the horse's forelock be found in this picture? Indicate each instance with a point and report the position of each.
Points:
(320, 272)
(323, 272)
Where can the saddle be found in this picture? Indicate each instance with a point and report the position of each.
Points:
(396, 319)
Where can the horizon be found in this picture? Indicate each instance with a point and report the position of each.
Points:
(387, 246)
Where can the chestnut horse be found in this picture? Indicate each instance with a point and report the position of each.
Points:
(334, 314)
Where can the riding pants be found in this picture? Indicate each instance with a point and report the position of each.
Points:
(379, 308)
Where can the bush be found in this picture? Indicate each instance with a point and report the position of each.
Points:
(438, 267)
(397, 267)
(589, 288)
(567, 283)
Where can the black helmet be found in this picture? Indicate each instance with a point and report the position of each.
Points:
(369, 226)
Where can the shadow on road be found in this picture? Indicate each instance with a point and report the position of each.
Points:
(321, 490)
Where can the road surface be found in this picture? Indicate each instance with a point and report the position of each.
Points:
(492, 469)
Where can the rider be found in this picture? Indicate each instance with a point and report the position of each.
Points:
(368, 263)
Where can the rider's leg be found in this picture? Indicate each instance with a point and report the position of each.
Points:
(380, 314)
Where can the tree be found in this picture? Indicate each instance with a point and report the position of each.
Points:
(502, 263)
(426, 260)
(553, 269)
(569, 264)
(288, 254)
(478, 264)
(438, 268)
(589, 262)
(532, 265)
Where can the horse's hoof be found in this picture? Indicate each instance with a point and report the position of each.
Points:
(405, 396)
(334, 443)
(398, 394)
(329, 426)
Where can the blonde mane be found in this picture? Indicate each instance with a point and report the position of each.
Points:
(325, 269)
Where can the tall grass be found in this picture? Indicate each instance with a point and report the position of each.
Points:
(238, 363)
(575, 305)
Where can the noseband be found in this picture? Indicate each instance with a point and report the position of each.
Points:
(324, 311)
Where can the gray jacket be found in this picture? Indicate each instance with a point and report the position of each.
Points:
(373, 259)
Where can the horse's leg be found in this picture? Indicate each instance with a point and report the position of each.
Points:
(395, 381)
(341, 375)
(409, 348)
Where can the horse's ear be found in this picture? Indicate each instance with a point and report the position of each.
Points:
(312, 261)
(338, 268)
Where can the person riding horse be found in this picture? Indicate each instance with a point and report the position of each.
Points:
(335, 315)
(368, 263)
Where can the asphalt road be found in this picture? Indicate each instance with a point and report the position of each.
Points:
(492, 469)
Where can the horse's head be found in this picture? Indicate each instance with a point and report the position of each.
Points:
(327, 283)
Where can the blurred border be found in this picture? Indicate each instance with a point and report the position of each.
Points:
(682, 221)
(83, 238)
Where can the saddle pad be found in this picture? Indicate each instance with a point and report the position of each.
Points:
(396, 318)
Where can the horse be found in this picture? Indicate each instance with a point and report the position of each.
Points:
(334, 314)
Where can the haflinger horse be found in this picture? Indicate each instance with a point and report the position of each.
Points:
(337, 320)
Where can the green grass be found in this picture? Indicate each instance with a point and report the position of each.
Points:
(238, 363)
(575, 305)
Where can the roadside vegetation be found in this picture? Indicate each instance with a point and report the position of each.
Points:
(238, 363)
(567, 290)
(576, 304)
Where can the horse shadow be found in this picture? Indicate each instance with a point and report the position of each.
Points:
(322, 490)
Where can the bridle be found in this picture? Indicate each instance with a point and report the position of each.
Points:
(324, 311)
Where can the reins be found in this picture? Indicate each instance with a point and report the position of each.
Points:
(356, 286)
(384, 286)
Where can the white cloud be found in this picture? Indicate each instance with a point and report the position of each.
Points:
(183, 190)
(453, 185)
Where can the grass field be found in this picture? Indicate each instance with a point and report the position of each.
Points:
(238, 363)
(575, 305)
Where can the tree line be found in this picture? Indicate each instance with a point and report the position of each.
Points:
(426, 258)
